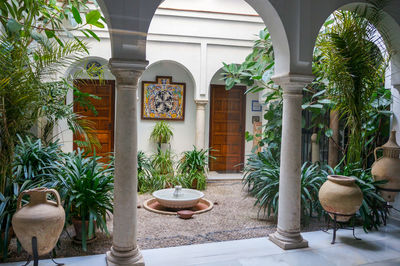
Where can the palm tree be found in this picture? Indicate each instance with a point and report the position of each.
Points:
(353, 66)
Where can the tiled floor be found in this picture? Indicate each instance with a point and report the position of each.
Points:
(376, 248)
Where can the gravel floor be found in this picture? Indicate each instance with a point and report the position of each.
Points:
(233, 217)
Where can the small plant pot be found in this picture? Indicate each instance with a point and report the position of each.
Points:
(185, 214)
(77, 223)
(194, 183)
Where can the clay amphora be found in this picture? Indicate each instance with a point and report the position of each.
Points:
(388, 168)
(41, 218)
(340, 195)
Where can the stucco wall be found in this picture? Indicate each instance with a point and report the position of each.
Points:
(184, 131)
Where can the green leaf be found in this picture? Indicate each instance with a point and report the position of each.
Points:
(98, 24)
(325, 101)
(94, 35)
(77, 15)
(13, 26)
(49, 33)
(92, 17)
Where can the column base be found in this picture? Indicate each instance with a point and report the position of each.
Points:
(130, 258)
(288, 241)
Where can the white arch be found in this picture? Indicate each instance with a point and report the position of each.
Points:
(180, 65)
(74, 69)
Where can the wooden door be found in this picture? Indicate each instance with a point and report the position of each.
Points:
(227, 128)
(103, 121)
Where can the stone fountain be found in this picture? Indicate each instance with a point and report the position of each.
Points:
(171, 200)
(178, 197)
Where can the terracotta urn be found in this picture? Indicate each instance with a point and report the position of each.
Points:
(340, 195)
(387, 167)
(40, 218)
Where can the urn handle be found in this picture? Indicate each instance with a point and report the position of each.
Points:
(20, 198)
(43, 190)
(55, 194)
(376, 149)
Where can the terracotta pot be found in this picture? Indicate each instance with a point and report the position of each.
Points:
(77, 222)
(41, 218)
(388, 168)
(340, 195)
(185, 214)
(194, 183)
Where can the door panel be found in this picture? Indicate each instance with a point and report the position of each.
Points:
(103, 121)
(227, 128)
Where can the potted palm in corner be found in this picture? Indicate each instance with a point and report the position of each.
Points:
(86, 186)
(162, 134)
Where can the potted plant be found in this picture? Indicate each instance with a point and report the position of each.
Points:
(163, 166)
(86, 186)
(193, 168)
(162, 134)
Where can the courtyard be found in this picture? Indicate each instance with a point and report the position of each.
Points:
(201, 132)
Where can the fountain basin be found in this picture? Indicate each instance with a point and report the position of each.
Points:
(185, 199)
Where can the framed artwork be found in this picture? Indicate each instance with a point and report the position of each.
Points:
(256, 106)
(163, 99)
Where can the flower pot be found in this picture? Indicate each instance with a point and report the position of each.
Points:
(77, 223)
(40, 218)
(194, 183)
(340, 195)
(388, 168)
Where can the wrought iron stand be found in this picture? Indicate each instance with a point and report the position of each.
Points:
(36, 255)
(335, 225)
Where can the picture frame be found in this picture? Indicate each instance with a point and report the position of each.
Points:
(163, 99)
(256, 106)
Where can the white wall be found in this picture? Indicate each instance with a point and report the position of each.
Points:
(184, 131)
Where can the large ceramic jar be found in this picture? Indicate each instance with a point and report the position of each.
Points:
(340, 195)
(388, 168)
(41, 218)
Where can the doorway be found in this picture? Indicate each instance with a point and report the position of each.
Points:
(227, 128)
(103, 121)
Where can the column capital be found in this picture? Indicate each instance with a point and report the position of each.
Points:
(127, 72)
(293, 83)
(201, 102)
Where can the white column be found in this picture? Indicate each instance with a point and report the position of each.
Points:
(200, 123)
(396, 126)
(288, 234)
(124, 250)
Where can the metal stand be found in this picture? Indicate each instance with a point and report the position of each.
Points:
(36, 255)
(336, 223)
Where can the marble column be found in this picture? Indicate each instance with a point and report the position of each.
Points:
(200, 123)
(124, 250)
(288, 234)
